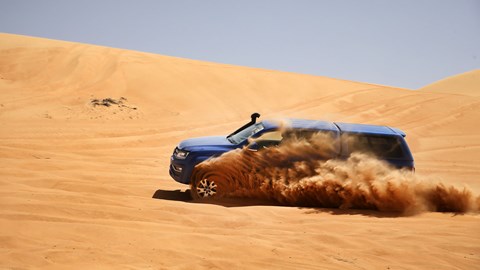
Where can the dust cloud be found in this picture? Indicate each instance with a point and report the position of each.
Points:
(301, 172)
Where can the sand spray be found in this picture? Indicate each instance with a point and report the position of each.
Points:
(300, 172)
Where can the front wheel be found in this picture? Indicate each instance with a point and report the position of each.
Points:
(204, 188)
(206, 185)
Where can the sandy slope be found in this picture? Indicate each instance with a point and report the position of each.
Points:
(460, 84)
(77, 181)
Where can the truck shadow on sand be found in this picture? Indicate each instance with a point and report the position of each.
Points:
(184, 196)
(173, 195)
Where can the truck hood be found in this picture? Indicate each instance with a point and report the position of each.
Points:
(211, 141)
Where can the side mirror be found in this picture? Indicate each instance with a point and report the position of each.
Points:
(253, 146)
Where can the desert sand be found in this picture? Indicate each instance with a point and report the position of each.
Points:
(87, 187)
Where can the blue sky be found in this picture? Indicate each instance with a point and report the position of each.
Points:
(407, 43)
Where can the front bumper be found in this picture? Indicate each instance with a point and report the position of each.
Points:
(180, 170)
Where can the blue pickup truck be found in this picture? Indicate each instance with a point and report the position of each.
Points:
(386, 143)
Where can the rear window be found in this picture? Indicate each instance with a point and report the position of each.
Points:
(388, 147)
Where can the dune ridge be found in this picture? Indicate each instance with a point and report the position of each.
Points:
(460, 84)
(77, 180)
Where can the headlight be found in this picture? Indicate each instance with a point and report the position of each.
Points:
(180, 154)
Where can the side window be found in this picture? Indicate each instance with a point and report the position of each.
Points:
(380, 146)
(270, 138)
(387, 147)
(326, 143)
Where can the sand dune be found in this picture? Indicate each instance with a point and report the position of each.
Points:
(459, 84)
(77, 179)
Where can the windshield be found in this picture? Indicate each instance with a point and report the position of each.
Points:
(244, 134)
